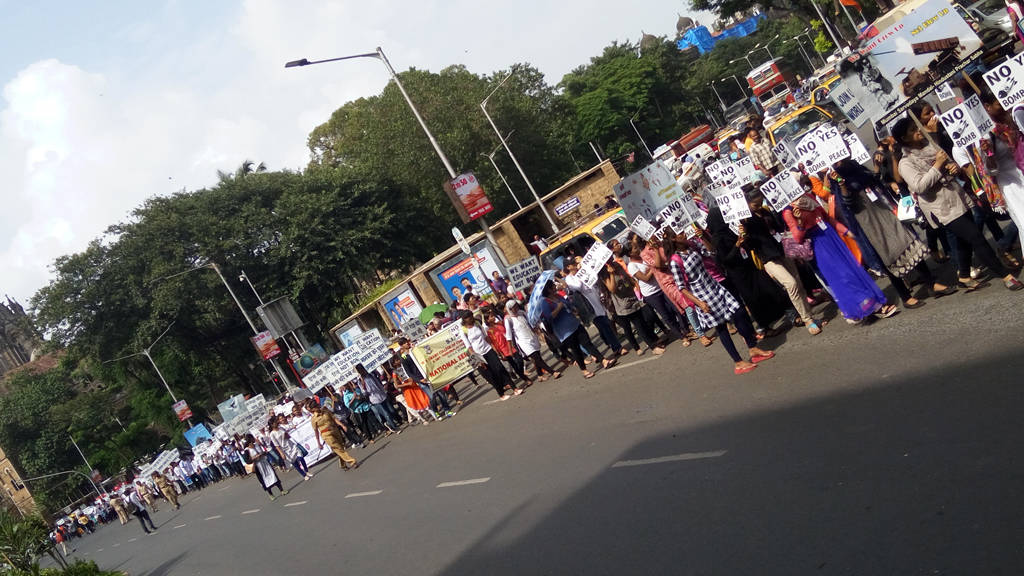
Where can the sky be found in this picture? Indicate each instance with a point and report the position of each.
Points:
(107, 103)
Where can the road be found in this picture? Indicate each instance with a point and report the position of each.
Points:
(891, 448)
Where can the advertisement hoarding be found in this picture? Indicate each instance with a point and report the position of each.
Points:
(459, 274)
(403, 307)
(266, 345)
(471, 195)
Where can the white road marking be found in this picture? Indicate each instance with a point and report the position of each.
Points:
(86, 554)
(100, 550)
(213, 517)
(133, 539)
(358, 494)
(251, 511)
(492, 402)
(296, 503)
(197, 498)
(179, 526)
(116, 545)
(463, 482)
(689, 456)
(631, 364)
(224, 488)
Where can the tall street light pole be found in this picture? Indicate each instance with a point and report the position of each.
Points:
(742, 91)
(747, 58)
(800, 48)
(483, 106)
(635, 129)
(807, 32)
(80, 453)
(502, 176)
(145, 352)
(379, 55)
(720, 101)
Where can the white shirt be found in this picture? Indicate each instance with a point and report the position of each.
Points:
(476, 339)
(540, 244)
(283, 441)
(646, 288)
(526, 339)
(590, 293)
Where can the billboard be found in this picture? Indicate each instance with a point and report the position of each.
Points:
(181, 410)
(910, 59)
(471, 195)
(459, 274)
(347, 334)
(646, 192)
(266, 345)
(403, 307)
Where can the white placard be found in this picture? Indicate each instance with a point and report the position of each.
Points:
(1007, 81)
(317, 378)
(848, 103)
(782, 190)
(592, 263)
(692, 210)
(646, 192)
(967, 123)
(723, 172)
(414, 330)
(745, 169)
(524, 273)
(676, 216)
(374, 350)
(255, 403)
(734, 206)
(821, 148)
(303, 434)
(945, 92)
(643, 228)
(858, 153)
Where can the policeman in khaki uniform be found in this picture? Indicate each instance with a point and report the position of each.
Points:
(325, 426)
(118, 506)
(164, 485)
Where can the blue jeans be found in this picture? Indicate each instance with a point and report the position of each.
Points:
(384, 415)
(604, 328)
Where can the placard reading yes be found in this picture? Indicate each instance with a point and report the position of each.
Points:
(642, 227)
(734, 206)
(821, 148)
(858, 153)
(1007, 81)
(676, 216)
(745, 168)
(782, 190)
(592, 263)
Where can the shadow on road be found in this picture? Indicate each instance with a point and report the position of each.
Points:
(912, 476)
(166, 567)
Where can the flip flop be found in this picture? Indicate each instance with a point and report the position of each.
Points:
(589, 375)
(762, 357)
(746, 369)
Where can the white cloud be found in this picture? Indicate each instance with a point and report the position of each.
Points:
(84, 142)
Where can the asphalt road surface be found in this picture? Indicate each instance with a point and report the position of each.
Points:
(892, 448)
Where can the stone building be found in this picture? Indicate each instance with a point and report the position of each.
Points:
(16, 338)
(14, 494)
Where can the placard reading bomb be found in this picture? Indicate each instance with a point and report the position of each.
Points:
(821, 148)
(592, 263)
(782, 190)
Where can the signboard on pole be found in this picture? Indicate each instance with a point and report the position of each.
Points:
(646, 192)
(522, 274)
(592, 263)
(266, 345)
(461, 240)
(1007, 81)
(782, 190)
(567, 206)
(471, 195)
(182, 410)
(374, 350)
(442, 357)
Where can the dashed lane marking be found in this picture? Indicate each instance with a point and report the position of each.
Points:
(133, 539)
(688, 456)
(213, 517)
(197, 498)
(226, 487)
(463, 482)
(614, 368)
(296, 503)
(251, 511)
(100, 550)
(179, 526)
(116, 545)
(358, 494)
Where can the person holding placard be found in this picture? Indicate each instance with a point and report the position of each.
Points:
(854, 291)
(931, 177)
(650, 290)
(715, 305)
(617, 287)
(558, 315)
(327, 430)
(995, 156)
(654, 256)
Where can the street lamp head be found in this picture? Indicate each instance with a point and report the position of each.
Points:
(295, 63)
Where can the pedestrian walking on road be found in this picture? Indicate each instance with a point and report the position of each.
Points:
(411, 396)
(326, 429)
(257, 457)
(378, 397)
(475, 339)
(146, 495)
(523, 337)
(288, 449)
(118, 506)
(165, 487)
(139, 510)
(558, 314)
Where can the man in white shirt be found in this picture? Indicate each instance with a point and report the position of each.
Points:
(604, 325)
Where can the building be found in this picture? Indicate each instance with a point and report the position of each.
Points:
(14, 494)
(16, 338)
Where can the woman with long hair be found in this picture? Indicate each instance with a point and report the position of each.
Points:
(653, 255)
(618, 287)
(378, 397)
(524, 337)
(715, 305)
(475, 338)
(288, 449)
(567, 328)
(256, 456)
(411, 396)
(931, 178)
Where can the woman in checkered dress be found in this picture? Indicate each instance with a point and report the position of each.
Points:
(715, 305)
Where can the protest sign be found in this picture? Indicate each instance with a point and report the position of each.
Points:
(945, 92)
(317, 379)
(676, 216)
(1007, 81)
(592, 263)
(257, 403)
(898, 66)
(693, 212)
(232, 407)
(643, 228)
(414, 330)
(744, 169)
(782, 190)
(821, 148)
(967, 123)
(724, 172)
(304, 435)
(843, 97)
(197, 434)
(734, 206)
(858, 153)
(784, 152)
(646, 192)
(181, 410)
(522, 274)
(374, 349)
(442, 357)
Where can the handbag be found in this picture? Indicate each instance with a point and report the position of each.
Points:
(907, 210)
(797, 250)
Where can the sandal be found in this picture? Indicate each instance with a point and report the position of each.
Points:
(557, 375)
(813, 329)
(706, 341)
(972, 285)
(686, 343)
(589, 375)
(658, 351)
(746, 369)
(887, 311)
(770, 333)
(639, 352)
(539, 379)
(1011, 262)
(610, 363)
(762, 357)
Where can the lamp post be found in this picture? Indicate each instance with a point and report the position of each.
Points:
(807, 32)
(719, 96)
(765, 47)
(483, 106)
(145, 352)
(800, 48)
(742, 91)
(635, 129)
(213, 266)
(379, 55)
(747, 58)
(500, 175)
